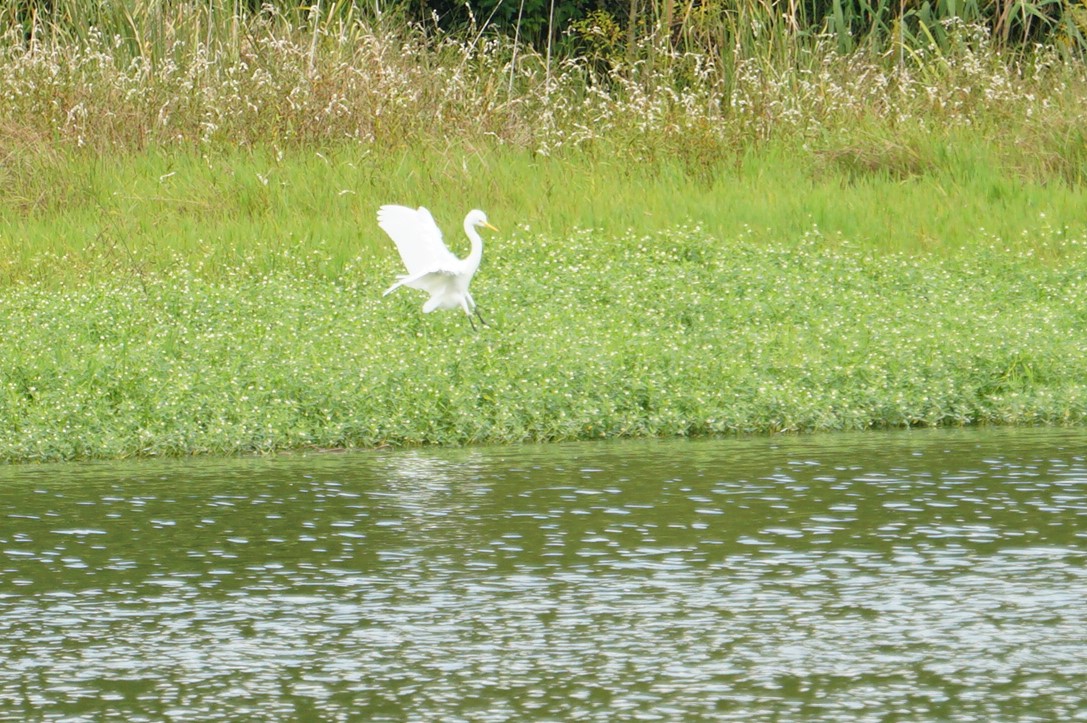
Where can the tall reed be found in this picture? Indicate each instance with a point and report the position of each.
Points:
(132, 74)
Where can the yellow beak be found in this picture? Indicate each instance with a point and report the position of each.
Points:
(490, 226)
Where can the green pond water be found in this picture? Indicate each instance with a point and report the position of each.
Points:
(924, 575)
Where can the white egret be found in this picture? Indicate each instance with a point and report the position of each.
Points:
(431, 266)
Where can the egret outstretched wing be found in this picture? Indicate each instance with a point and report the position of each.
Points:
(425, 280)
(417, 238)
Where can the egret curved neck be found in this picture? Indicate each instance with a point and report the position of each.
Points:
(476, 254)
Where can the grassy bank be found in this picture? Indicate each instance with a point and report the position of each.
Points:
(232, 142)
(312, 210)
(691, 244)
(683, 332)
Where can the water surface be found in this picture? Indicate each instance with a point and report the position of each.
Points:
(884, 576)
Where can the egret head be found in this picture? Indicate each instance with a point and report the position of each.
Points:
(478, 218)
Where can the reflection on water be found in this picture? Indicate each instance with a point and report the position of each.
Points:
(912, 576)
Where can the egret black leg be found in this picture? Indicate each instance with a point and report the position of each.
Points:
(481, 319)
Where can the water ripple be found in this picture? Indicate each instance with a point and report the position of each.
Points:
(869, 577)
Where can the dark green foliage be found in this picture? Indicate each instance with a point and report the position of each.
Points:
(535, 18)
(576, 26)
(853, 23)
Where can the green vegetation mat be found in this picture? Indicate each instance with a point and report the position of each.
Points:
(674, 333)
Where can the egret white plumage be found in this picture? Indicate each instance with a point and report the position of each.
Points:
(431, 266)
